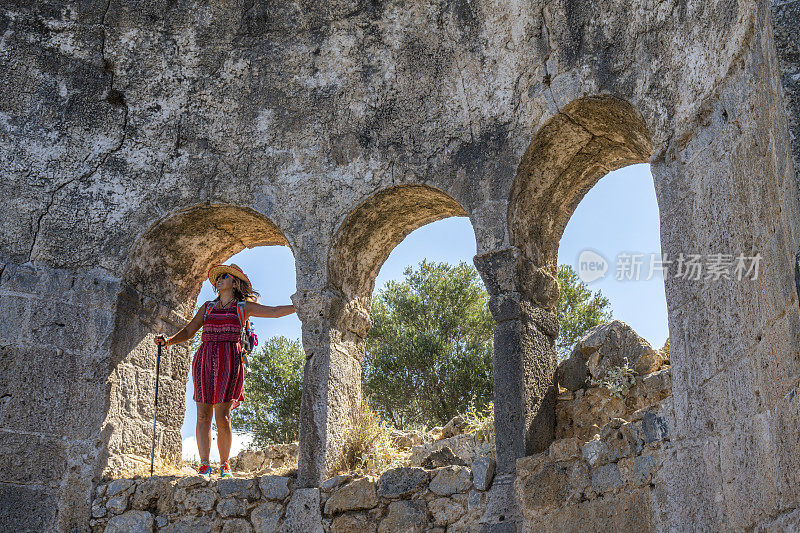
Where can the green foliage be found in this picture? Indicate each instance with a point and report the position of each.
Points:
(480, 421)
(272, 391)
(578, 310)
(429, 351)
(619, 379)
(428, 359)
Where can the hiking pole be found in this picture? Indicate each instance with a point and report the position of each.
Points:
(155, 410)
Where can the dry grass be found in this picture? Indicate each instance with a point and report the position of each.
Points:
(161, 467)
(369, 447)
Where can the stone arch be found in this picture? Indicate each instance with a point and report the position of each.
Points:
(163, 276)
(373, 229)
(586, 140)
(333, 337)
(581, 143)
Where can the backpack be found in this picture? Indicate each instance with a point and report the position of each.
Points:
(248, 338)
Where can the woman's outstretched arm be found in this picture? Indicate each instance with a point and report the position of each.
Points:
(189, 330)
(267, 311)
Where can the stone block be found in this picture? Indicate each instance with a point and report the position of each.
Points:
(26, 508)
(594, 452)
(120, 486)
(199, 500)
(747, 460)
(70, 327)
(405, 516)
(645, 468)
(303, 512)
(236, 525)
(131, 522)
(61, 389)
(609, 345)
(654, 427)
(450, 480)
(274, 487)
(621, 439)
(189, 524)
(156, 491)
(564, 449)
(476, 500)
(99, 510)
(335, 482)
(266, 517)
(572, 372)
(622, 512)
(117, 504)
(228, 507)
(685, 468)
(401, 481)
(483, 469)
(456, 426)
(356, 495)
(445, 511)
(606, 478)
(354, 523)
(442, 457)
(37, 459)
(544, 490)
(238, 488)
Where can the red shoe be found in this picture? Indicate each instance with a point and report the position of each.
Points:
(225, 470)
(205, 469)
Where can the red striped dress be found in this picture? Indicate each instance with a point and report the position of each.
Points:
(217, 365)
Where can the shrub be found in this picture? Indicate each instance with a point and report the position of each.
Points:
(369, 447)
(619, 379)
(272, 392)
(481, 422)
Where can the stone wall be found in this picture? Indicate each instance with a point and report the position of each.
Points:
(451, 498)
(139, 145)
(610, 483)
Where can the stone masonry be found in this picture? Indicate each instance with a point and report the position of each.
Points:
(140, 142)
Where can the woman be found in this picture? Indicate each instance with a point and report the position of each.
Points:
(217, 370)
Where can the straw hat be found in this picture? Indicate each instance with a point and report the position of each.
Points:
(232, 269)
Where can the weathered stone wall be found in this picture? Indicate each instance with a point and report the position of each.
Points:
(614, 482)
(141, 142)
(401, 499)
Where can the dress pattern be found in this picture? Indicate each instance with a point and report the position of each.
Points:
(217, 365)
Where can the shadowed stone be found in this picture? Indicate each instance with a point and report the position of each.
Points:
(131, 522)
(401, 481)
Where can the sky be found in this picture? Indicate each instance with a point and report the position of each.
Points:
(619, 215)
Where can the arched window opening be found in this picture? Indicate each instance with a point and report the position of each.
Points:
(163, 278)
(271, 270)
(613, 355)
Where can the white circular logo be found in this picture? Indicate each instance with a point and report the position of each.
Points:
(591, 266)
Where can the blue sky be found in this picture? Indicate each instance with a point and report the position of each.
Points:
(618, 215)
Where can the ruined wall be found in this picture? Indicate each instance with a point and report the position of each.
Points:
(140, 142)
(401, 499)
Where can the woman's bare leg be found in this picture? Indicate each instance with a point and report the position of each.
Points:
(203, 430)
(222, 414)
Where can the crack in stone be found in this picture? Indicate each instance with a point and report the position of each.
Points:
(106, 68)
(547, 78)
(82, 177)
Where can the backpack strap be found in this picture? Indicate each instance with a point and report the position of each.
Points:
(240, 310)
(209, 307)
